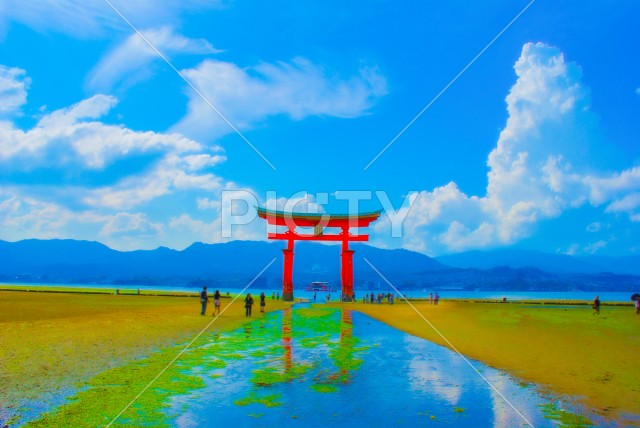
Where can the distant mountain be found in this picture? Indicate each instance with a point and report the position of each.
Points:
(91, 262)
(556, 263)
(234, 264)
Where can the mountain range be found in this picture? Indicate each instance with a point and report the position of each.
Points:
(556, 263)
(235, 263)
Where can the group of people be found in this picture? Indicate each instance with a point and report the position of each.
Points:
(434, 298)
(378, 298)
(204, 300)
(248, 302)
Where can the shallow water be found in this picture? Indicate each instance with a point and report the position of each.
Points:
(315, 367)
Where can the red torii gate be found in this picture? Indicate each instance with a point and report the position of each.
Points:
(318, 222)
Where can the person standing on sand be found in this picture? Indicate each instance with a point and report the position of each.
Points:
(262, 301)
(436, 298)
(248, 303)
(204, 299)
(216, 303)
(596, 306)
(431, 298)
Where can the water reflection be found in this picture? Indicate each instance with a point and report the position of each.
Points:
(286, 338)
(336, 365)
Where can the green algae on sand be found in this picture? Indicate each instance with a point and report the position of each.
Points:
(564, 418)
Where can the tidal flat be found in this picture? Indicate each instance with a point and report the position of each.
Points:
(72, 358)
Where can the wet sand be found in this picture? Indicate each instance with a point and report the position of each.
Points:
(562, 347)
(52, 341)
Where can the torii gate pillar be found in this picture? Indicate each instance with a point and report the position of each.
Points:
(287, 278)
(347, 271)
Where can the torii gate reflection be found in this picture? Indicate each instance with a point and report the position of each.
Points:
(318, 222)
(343, 357)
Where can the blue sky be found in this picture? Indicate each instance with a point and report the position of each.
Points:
(534, 146)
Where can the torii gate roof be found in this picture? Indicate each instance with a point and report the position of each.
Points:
(285, 218)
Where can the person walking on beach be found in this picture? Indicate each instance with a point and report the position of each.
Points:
(436, 298)
(204, 299)
(637, 307)
(216, 303)
(262, 301)
(431, 298)
(596, 306)
(248, 303)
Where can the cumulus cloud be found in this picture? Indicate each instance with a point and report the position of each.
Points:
(542, 165)
(13, 89)
(128, 63)
(297, 89)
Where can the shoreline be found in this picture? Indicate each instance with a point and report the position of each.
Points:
(81, 289)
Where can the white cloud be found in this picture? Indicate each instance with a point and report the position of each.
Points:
(541, 166)
(82, 18)
(590, 249)
(604, 188)
(73, 141)
(628, 203)
(128, 63)
(595, 247)
(13, 89)
(126, 224)
(28, 217)
(297, 89)
(594, 227)
(168, 176)
(66, 137)
(194, 230)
